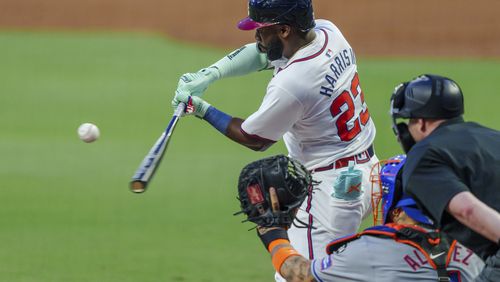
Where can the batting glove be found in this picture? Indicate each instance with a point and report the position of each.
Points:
(194, 105)
(196, 83)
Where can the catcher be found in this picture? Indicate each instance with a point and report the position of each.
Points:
(405, 248)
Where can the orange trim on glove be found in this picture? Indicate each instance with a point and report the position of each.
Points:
(281, 250)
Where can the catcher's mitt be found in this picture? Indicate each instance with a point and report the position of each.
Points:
(291, 181)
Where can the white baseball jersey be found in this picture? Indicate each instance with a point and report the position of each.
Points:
(381, 259)
(314, 101)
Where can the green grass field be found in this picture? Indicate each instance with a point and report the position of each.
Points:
(65, 210)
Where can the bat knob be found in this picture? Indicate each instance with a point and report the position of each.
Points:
(138, 186)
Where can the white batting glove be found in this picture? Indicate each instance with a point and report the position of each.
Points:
(194, 105)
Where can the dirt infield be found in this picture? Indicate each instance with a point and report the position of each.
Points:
(382, 27)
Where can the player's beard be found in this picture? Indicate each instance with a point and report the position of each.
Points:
(274, 49)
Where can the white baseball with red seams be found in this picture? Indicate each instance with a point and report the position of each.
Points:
(88, 132)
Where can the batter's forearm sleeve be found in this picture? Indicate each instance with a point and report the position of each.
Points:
(242, 61)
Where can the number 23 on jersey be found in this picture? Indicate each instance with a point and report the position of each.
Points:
(347, 97)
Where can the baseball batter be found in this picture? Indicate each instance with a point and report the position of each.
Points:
(314, 102)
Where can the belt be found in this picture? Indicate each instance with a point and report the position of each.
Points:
(344, 162)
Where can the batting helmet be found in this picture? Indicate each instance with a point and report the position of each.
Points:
(427, 96)
(261, 13)
(392, 194)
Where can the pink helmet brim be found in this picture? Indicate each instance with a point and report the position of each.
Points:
(249, 24)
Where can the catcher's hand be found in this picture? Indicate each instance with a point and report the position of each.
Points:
(270, 191)
(269, 234)
(275, 206)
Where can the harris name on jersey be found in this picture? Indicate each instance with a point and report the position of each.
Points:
(339, 64)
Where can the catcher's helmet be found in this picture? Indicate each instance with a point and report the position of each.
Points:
(291, 180)
(427, 96)
(261, 13)
(392, 196)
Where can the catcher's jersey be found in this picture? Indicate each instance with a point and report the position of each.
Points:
(315, 102)
(375, 259)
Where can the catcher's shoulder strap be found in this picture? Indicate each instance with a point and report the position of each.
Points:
(379, 230)
(434, 245)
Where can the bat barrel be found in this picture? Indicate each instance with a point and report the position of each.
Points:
(138, 186)
(148, 166)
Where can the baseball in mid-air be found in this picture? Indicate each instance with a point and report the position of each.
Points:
(88, 132)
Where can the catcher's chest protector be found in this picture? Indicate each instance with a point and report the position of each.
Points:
(435, 246)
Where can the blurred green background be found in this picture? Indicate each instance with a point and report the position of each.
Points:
(66, 213)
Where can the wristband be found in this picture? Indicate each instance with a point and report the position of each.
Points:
(272, 235)
(276, 243)
(282, 254)
(218, 119)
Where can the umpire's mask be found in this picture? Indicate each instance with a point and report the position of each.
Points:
(400, 128)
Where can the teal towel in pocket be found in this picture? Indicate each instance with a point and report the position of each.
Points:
(348, 185)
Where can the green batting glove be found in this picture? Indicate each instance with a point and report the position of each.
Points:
(196, 83)
(194, 105)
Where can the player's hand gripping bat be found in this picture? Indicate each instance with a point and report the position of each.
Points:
(151, 162)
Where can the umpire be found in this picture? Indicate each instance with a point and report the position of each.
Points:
(453, 166)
